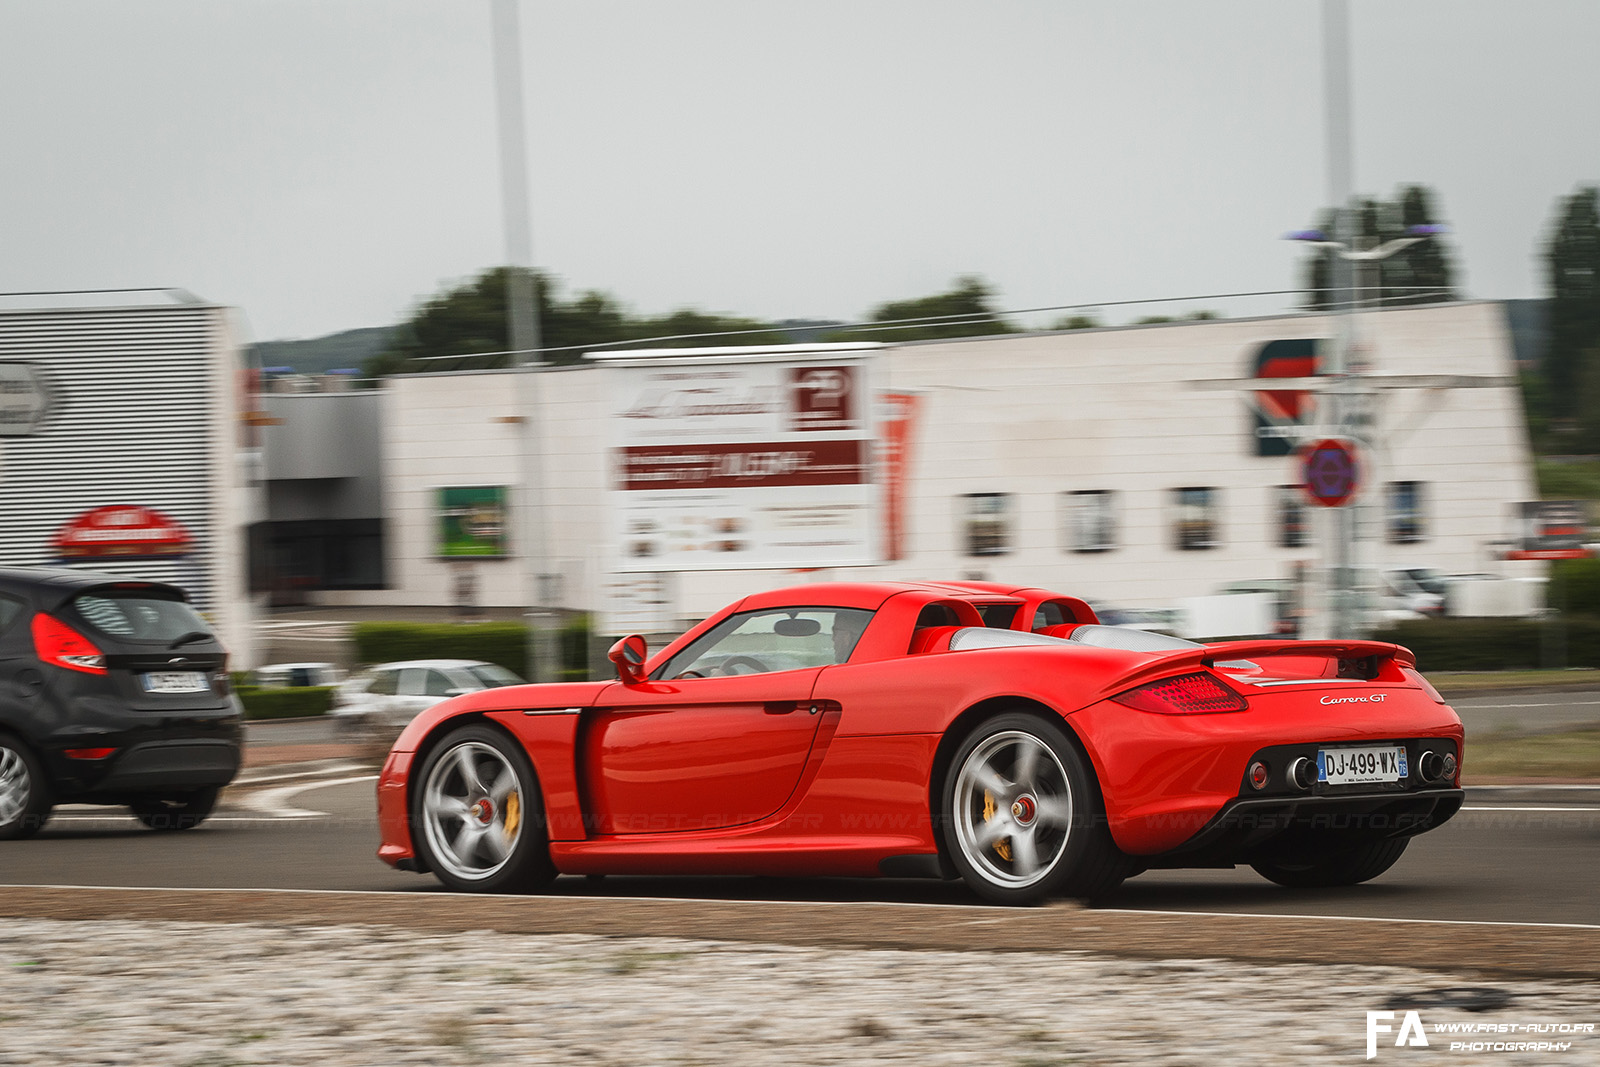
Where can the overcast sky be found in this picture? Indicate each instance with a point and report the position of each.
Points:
(323, 164)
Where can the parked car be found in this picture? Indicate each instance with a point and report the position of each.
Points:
(296, 675)
(392, 694)
(858, 729)
(112, 691)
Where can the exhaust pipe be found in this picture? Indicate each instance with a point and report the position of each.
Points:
(1302, 773)
(1431, 766)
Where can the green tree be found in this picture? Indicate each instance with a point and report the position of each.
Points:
(965, 310)
(1421, 274)
(469, 320)
(1573, 259)
(1076, 322)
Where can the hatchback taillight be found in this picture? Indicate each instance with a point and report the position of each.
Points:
(1187, 694)
(60, 645)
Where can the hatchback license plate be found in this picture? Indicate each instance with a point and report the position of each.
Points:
(1361, 766)
(175, 682)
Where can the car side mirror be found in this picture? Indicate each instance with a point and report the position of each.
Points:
(458, 691)
(629, 655)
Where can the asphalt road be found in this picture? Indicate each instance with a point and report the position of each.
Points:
(1513, 855)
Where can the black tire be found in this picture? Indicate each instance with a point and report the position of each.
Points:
(170, 812)
(459, 847)
(1070, 843)
(25, 799)
(1350, 865)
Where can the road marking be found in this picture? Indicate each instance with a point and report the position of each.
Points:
(339, 768)
(1353, 918)
(1553, 704)
(275, 802)
(1565, 807)
(119, 820)
(1530, 785)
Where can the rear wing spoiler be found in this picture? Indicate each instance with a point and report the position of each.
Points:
(1357, 659)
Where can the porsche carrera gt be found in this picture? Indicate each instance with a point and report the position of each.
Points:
(995, 734)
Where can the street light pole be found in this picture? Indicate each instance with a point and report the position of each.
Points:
(522, 320)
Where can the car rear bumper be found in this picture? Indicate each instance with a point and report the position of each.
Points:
(150, 753)
(1248, 826)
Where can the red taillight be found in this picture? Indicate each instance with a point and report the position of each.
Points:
(1187, 694)
(1415, 677)
(87, 753)
(59, 644)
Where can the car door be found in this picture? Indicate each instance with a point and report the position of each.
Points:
(21, 681)
(702, 746)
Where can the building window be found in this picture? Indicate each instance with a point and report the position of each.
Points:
(1292, 518)
(1196, 525)
(986, 523)
(1407, 522)
(1087, 522)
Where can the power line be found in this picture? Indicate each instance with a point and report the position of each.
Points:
(957, 319)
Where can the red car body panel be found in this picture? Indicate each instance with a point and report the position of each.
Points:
(833, 770)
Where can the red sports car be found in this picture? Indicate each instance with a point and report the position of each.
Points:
(959, 729)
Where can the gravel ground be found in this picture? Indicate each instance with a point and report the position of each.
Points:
(213, 994)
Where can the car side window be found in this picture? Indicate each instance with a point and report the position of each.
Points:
(1049, 614)
(382, 684)
(781, 639)
(439, 685)
(10, 608)
(413, 681)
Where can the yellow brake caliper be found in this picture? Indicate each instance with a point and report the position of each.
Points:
(513, 814)
(1002, 847)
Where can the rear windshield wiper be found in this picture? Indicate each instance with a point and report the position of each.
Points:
(188, 638)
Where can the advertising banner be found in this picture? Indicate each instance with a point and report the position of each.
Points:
(472, 521)
(1551, 529)
(732, 462)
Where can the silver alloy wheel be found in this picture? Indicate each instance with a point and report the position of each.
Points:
(15, 785)
(1013, 809)
(473, 810)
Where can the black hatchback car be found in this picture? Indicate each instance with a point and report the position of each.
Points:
(111, 692)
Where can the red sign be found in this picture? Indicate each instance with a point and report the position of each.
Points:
(824, 397)
(756, 464)
(899, 428)
(1330, 472)
(125, 531)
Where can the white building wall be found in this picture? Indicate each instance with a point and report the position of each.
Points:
(1035, 415)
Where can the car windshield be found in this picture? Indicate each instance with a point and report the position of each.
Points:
(493, 676)
(782, 639)
(139, 616)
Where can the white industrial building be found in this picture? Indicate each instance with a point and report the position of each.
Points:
(1089, 461)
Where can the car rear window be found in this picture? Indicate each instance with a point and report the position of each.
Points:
(139, 617)
(492, 676)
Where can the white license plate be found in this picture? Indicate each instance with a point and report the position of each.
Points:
(1361, 766)
(175, 682)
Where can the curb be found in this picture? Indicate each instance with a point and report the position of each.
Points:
(1527, 949)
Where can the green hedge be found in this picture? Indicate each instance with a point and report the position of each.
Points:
(1575, 586)
(285, 703)
(505, 643)
(1499, 644)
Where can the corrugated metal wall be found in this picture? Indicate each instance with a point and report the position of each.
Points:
(134, 421)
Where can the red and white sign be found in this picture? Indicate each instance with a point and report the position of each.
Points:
(757, 460)
(899, 430)
(126, 531)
